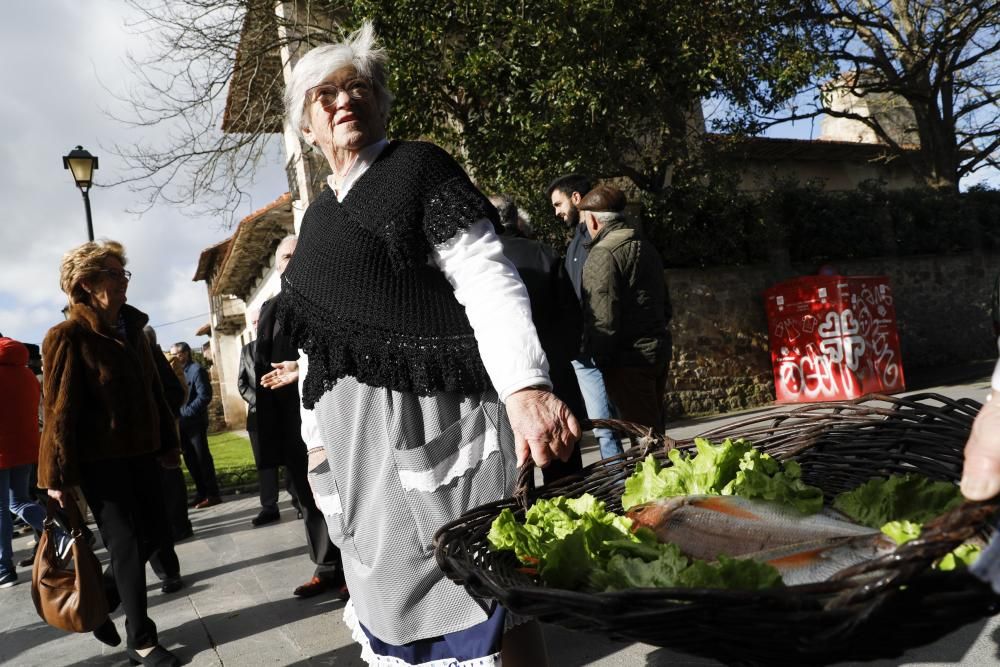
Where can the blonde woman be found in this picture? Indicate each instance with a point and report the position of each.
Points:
(106, 425)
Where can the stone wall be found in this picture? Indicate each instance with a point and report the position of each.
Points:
(216, 411)
(721, 359)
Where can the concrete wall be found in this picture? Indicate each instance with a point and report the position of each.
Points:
(227, 365)
(721, 356)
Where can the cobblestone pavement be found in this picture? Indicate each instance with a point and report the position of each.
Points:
(237, 608)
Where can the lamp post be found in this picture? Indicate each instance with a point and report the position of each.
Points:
(82, 165)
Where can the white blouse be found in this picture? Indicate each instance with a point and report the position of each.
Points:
(488, 286)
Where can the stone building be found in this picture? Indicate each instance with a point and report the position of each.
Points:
(834, 163)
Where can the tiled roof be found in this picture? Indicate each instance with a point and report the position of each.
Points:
(251, 247)
(209, 258)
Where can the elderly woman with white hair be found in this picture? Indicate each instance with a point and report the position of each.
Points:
(422, 379)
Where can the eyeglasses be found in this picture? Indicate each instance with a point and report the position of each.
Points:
(327, 93)
(116, 274)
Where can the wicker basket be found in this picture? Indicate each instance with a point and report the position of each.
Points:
(877, 609)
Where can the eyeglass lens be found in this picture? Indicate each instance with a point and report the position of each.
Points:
(327, 93)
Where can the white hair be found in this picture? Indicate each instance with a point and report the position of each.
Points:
(359, 50)
(288, 240)
(604, 217)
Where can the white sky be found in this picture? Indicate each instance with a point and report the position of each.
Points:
(57, 54)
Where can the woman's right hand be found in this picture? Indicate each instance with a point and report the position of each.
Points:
(981, 473)
(61, 496)
(544, 427)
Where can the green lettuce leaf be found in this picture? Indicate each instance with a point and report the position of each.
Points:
(733, 573)
(963, 555)
(909, 497)
(645, 484)
(732, 467)
(671, 569)
(765, 478)
(563, 537)
(625, 569)
(902, 532)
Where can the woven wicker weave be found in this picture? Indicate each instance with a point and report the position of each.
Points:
(877, 609)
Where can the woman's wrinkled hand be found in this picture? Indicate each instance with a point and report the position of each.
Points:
(544, 428)
(981, 473)
(284, 373)
(61, 496)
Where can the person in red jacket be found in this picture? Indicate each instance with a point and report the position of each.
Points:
(18, 449)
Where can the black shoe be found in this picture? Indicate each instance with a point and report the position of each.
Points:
(108, 633)
(299, 514)
(265, 517)
(211, 501)
(313, 587)
(172, 584)
(30, 560)
(160, 657)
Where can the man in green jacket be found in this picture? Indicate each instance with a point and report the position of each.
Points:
(626, 309)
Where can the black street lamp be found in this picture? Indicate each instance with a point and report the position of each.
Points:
(82, 164)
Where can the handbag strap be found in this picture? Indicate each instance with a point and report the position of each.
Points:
(71, 513)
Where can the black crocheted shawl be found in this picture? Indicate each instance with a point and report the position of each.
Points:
(361, 296)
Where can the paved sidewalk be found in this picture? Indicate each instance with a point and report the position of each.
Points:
(237, 606)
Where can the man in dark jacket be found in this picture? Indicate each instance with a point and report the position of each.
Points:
(556, 315)
(194, 429)
(626, 310)
(267, 477)
(565, 194)
(174, 488)
(279, 426)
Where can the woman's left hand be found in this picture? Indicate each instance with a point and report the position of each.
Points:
(284, 373)
(544, 428)
(61, 496)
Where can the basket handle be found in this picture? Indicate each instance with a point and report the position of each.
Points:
(644, 436)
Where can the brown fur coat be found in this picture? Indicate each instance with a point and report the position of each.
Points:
(103, 398)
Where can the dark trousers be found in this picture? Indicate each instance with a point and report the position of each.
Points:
(322, 551)
(164, 559)
(267, 478)
(198, 459)
(125, 497)
(176, 502)
(637, 393)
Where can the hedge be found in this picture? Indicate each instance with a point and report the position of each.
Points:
(715, 224)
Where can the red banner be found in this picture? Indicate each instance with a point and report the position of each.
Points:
(833, 338)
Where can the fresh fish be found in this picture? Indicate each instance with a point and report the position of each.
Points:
(706, 526)
(813, 562)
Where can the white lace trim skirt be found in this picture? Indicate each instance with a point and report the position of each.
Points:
(484, 638)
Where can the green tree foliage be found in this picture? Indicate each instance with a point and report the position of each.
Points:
(929, 73)
(520, 91)
(525, 91)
